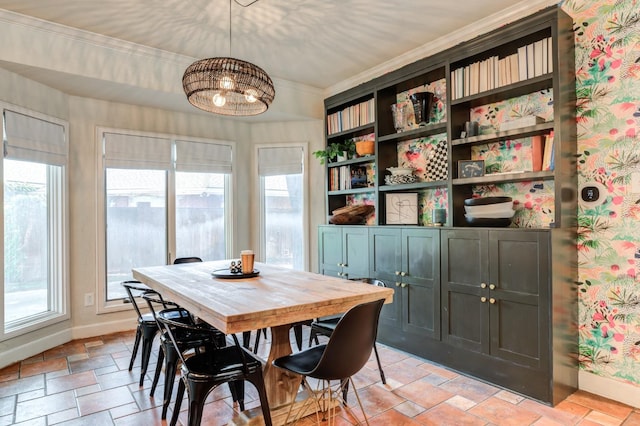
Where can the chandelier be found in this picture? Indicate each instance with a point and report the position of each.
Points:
(228, 86)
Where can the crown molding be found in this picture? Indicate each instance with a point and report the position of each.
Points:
(87, 37)
(519, 10)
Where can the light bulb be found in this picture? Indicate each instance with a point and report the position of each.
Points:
(251, 96)
(219, 100)
(226, 82)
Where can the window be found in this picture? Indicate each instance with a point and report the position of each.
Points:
(34, 222)
(283, 234)
(164, 198)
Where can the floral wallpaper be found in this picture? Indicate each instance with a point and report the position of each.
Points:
(607, 36)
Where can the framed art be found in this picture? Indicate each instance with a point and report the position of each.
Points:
(401, 208)
(470, 168)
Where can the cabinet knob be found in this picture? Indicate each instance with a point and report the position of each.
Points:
(483, 285)
(397, 272)
(339, 264)
(403, 285)
(397, 284)
(492, 300)
(492, 286)
(483, 299)
(404, 274)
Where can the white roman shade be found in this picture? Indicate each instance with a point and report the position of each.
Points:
(203, 157)
(32, 139)
(280, 161)
(130, 151)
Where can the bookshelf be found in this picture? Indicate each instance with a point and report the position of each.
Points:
(498, 303)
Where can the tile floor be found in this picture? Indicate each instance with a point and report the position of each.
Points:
(87, 382)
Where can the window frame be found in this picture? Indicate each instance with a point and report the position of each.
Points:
(102, 305)
(260, 225)
(58, 241)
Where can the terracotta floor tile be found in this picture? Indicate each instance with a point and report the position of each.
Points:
(17, 386)
(145, 417)
(90, 363)
(98, 419)
(561, 417)
(405, 372)
(423, 393)
(27, 396)
(448, 415)
(603, 405)
(375, 400)
(470, 388)
(603, 419)
(71, 381)
(461, 403)
(11, 372)
(439, 371)
(104, 400)
(68, 349)
(7, 405)
(119, 378)
(633, 419)
(43, 406)
(572, 408)
(409, 409)
(393, 417)
(63, 416)
(503, 413)
(31, 369)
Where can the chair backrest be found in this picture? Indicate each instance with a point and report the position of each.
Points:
(192, 259)
(156, 304)
(351, 342)
(136, 289)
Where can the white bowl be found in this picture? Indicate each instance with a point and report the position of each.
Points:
(499, 215)
(498, 208)
(398, 171)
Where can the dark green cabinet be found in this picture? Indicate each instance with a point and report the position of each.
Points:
(344, 251)
(407, 259)
(495, 293)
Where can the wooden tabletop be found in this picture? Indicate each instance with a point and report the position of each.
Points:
(277, 296)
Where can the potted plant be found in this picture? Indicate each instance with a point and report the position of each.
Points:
(335, 150)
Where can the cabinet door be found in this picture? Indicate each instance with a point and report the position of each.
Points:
(421, 282)
(385, 254)
(519, 290)
(355, 252)
(330, 250)
(465, 263)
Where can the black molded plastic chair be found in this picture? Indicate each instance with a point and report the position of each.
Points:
(325, 327)
(186, 341)
(345, 354)
(146, 329)
(191, 259)
(203, 372)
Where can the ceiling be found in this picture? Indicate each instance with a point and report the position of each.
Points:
(317, 44)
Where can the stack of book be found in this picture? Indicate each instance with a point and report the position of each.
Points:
(532, 60)
(351, 117)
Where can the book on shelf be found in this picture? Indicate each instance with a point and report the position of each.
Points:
(522, 63)
(538, 69)
(537, 148)
(548, 156)
(351, 117)
(359, 176)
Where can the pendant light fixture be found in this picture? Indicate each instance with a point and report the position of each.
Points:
(228, 86)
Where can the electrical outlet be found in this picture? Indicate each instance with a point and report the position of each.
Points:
(88, 299)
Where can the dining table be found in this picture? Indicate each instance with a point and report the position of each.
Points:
(272, 297)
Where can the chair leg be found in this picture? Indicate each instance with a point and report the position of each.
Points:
(170, 365)
(366, 420)
(146, 354)
(297, 330)
(258, 381)
(375, 351)
(178, 404)
(156, 376)
(257, 342)
(134, 352)
(246, 337)
(198, 392)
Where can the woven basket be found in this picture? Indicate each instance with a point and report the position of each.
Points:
(365, 148)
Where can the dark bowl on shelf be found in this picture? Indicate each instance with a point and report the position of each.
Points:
(489, 221)
(486, 200)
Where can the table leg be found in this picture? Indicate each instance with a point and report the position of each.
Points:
(282, 386)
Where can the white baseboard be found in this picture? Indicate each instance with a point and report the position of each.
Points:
(617, 390)
(35, 347)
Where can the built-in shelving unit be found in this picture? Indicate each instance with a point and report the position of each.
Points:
(474, 284)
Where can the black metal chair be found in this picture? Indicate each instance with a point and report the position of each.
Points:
(345, 354)
(203, 372)
(325, 326)
(186, 341)
(146, 329)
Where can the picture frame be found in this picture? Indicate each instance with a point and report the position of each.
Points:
(470, 168)
(401, 208)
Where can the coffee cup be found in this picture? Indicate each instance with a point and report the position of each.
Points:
(247, 257)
